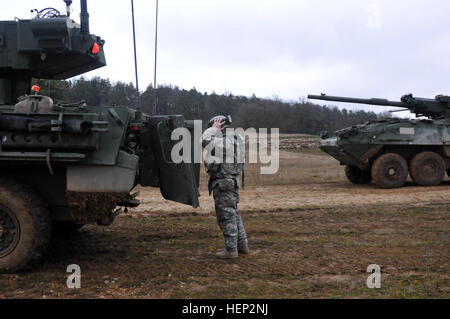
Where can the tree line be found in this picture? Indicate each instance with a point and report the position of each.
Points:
(298, 117)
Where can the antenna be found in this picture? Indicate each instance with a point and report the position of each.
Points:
(84, 17)
(138, 100)
(155, 102)
(68, 4)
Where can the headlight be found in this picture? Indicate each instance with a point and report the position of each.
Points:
(329, 142)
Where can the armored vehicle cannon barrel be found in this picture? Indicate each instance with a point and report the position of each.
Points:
(438, 107)
(381, 102)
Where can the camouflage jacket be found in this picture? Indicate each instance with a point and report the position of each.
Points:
(224, 158)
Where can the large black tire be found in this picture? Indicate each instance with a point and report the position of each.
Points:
(358, 176)
(427, 169)
(65, 227)
(25, 227)
(390, 171)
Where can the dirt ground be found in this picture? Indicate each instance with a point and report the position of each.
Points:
(312, 235)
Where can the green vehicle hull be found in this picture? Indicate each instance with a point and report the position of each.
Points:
(387, 151)
(360, 145)
(82, 177)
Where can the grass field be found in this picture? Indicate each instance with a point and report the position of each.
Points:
(312, 235)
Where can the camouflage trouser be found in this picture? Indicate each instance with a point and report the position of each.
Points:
(226, 198)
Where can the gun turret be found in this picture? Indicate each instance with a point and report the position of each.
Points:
(50, 46)
(438, 107)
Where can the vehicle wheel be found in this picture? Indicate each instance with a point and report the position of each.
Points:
(65, 227)
(25, 227)
(358, 176)
(390, 171)
(427, 169)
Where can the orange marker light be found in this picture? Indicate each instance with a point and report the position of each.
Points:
(95, 48)
(35, 88)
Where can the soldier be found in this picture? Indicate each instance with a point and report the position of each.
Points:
(224, 164)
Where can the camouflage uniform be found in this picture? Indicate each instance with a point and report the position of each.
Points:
(224, 184)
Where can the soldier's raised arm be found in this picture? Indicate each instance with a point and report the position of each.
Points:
(213, 137)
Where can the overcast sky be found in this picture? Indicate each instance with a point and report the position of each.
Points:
(284, 48)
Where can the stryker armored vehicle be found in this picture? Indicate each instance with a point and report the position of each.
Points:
(63, 166)
(387, 151)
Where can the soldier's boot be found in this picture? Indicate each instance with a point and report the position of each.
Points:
(244, 250)
(227, 254)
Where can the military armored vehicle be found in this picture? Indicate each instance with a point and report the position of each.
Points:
(67, 165)
(387, 151)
